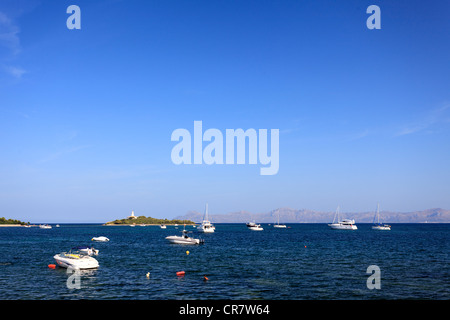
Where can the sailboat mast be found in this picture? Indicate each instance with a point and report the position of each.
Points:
(378, 213)
(336, 214)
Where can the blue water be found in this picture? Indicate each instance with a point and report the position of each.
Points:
(240, 264)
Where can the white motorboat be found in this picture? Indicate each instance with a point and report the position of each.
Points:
(206, 225)
(344, 224)
(163, 226)
(75, 260)
(378, 225)
(184, 239)
(101, 239)
(45, 226)
(256, 227)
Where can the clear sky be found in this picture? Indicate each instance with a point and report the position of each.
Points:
(86, 115)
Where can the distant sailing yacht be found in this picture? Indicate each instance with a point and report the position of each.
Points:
(378, 225)
(206, 225)
(344, 224)
(278, 225)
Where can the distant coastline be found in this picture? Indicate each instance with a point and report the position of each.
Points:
(289, 215)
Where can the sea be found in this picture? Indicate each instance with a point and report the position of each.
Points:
(301, 262)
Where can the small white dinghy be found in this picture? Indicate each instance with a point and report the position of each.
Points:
(103, 239)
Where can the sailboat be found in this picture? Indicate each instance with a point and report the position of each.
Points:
(206, 225)
(278, 225)
(378, 225)
(344, 224)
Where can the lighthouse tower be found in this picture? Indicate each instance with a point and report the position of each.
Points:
(132, 216)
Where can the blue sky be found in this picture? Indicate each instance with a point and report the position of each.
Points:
(86, 115)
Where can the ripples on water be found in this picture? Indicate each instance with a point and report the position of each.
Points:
(240, 264)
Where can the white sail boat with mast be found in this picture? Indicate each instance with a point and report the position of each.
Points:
(344, 224)
(206, 225)
(378, 225)
(278, 225)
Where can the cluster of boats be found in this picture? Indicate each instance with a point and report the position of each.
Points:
(338, 224)
(80, 257)
(206, 227)
(349, 224)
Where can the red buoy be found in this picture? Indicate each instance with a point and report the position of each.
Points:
(52, 266)
(180, 273)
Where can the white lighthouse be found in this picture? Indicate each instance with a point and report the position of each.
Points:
(132, 216)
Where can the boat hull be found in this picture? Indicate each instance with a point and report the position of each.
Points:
(76, 263)
(206, 228)
(381, 227)
(100, 239)
(339, 226)
(182, 240)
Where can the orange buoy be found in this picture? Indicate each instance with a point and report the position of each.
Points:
(52, 266)
(205, 278)
(180, 273)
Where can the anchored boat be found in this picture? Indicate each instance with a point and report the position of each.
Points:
(184, 239)
(378, 225)
(76, 260)
(206, 225)
(101, 239)
(344, 224)
(256, 227)
(278, 225)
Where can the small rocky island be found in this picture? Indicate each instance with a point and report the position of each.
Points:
(143, 220)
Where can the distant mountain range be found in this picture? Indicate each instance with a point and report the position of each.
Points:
(288, 215)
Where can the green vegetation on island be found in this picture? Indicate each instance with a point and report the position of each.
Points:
(147, 220)
(12, 221)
